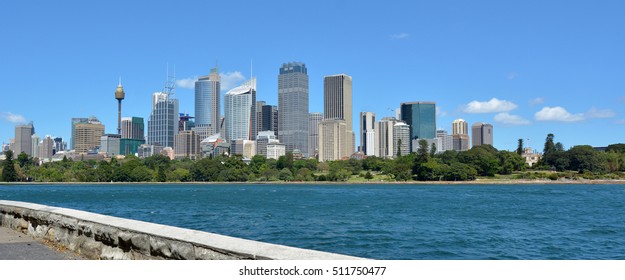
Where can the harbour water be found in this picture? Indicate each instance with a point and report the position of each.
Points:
(374, 221)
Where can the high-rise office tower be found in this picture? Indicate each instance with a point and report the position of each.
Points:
(86, 135)
(133, 128)
(384, 138)
(266, 117)
(163, 122)
(133, 135)
(313, 133)
(421, 117)
(401, 139)
(337, 104)
(207, 104)
(460, 135)
(187, 145)
(47, 148)
(119, 95)
(75, 121)
(293, 106)
(445, 142)
(23, 139)
(240, 112)
(35, 145)
(110, 144)
(482, 134)
(367, 133)
(332, 142)
(59, 144)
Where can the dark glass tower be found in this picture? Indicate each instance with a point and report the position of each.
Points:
(293, 106)
(421, 117)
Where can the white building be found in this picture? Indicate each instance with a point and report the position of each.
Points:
(275, 149)
(367, 133)
(240, 112)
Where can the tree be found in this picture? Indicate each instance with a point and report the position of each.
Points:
(8, 168)
(433, 150)
(368, 175)
(585, 159)
(619, 148)
(285, 175)
(141, 173)
(483, 158)
(549, 146)
(398, 147)
(24, 159)
(510, 161)
(519, 149)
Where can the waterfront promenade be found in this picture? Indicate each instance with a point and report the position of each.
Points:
(18, 246)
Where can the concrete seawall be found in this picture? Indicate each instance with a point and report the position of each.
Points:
(98, 236)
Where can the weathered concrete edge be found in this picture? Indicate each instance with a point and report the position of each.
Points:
(234, 248)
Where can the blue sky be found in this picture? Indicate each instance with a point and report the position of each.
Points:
(528, 67)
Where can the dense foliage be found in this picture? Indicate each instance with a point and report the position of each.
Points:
(480, 161)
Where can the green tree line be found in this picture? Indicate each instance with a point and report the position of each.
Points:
(423, 165)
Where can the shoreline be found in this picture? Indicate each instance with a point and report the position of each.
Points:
(474, 182)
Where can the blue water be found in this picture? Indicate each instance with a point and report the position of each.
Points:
(375, 221)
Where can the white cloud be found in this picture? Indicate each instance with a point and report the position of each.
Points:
(492, 106)
(506, 118)
(537, 101)
(620, 121)
(513, 75)
(400, 36)
(13, 118)
(230, 80)
(595, 113)
(440, 112)
(558, 114)
(188, 83)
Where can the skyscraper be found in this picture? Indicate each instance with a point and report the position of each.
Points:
(35, 140)
(75, 121)
(332, 142)
(47, 148)
(445, 143)
(313, 133)
(240, 112)
(163, 122)
(293, 106)
(367, 133)
(186, 145)
(86, 135)
(482, 134)
(110, 144)
(401, 138)
(460, 135)
(384, 138)
(23, 139)
(421, 117)
(133, 135)
(266, 117)
(337, 104)
(207, 104)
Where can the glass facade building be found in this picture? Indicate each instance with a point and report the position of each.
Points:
(208, 104)
(163, 122)
(240, 112)
(421, 117)
(293, 106)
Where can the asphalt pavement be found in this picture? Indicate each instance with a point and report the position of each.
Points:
(18, 246)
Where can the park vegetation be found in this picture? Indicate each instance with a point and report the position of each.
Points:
(424, 165)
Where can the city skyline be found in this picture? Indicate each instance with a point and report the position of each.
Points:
(560, 72)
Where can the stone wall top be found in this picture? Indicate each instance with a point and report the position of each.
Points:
(234, 246)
